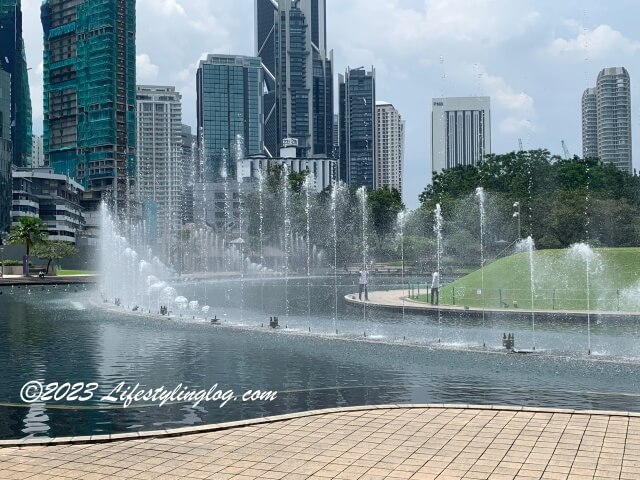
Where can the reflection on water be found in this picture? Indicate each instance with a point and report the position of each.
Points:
(67, 337)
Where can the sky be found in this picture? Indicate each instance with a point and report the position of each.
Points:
(533, 58)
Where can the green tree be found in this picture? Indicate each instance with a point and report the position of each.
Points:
(51, 251)
(30, 232)
(384, 204)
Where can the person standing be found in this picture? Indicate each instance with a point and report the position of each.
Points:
(435, 288)
(364, 280)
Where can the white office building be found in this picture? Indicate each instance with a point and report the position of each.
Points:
(389, 146)
(37, 151)
(460, 131)
(159, 156)
(322, 170)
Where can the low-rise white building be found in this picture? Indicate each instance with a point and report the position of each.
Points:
(324, 171)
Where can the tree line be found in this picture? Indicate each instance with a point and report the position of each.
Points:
(559, 201)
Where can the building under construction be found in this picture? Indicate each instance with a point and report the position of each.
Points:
(90, 95)
(13, 61)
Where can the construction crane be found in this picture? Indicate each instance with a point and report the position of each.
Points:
(567, 154)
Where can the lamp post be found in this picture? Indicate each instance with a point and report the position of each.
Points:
(519, 217)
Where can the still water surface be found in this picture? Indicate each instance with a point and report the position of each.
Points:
(57, 336)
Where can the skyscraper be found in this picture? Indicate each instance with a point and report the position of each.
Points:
(357, 128)
(389, 146)
(229, 111)
(589, 123)
(159, 154)
(13, 61)
(298, 75)
(460, 131)
(5, 150)
(189, 147)
(606, 119)
(37, 151)
(90, 94)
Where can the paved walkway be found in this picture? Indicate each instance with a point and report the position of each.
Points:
(15, 280)
(397, 300)
(386, 442)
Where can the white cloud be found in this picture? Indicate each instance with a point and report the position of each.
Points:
(517, 107)
(145, 69)
(513, 125)
(597, 43)
(442, 24)
(166, 7)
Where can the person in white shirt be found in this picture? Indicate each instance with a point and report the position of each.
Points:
(364, 280)
(435, 288)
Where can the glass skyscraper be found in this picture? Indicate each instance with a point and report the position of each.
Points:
(5, 150)
(90, 94)
(229, 112)
(298, 75)
(357, 128)
(13, 61)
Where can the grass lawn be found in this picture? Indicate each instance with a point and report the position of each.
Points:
(66, 273)
(559, 281)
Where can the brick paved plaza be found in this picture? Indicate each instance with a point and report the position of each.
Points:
(385, 442)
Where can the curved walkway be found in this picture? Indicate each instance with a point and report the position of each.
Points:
(419, 442)
(15, 280)
(396, 300)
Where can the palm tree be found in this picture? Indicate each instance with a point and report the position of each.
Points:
(30, 231)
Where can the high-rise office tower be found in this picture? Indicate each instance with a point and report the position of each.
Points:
(389, 146)
(460, 131)
(357, 128)
(159, 158)
(189, 148)
(229, 112)
(336, 137)
(298, 75)
(606, 119)
(5, 150)
(90, 95)
(13, 61)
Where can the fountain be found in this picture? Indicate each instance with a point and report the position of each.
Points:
(362, 195)
(438, 232)
(308, 187)
(336, 194)
(286, 234)
(261, 232)
(401, 220)
(528, 245)
(585, 253)
(481, 202)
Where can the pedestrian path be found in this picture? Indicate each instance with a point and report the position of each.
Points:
(396, 442)
(397, 300)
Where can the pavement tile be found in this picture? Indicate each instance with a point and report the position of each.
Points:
(395, 442)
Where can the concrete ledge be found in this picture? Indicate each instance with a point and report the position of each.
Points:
(183, 431)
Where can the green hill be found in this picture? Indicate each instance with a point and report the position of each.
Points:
(560, 282)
